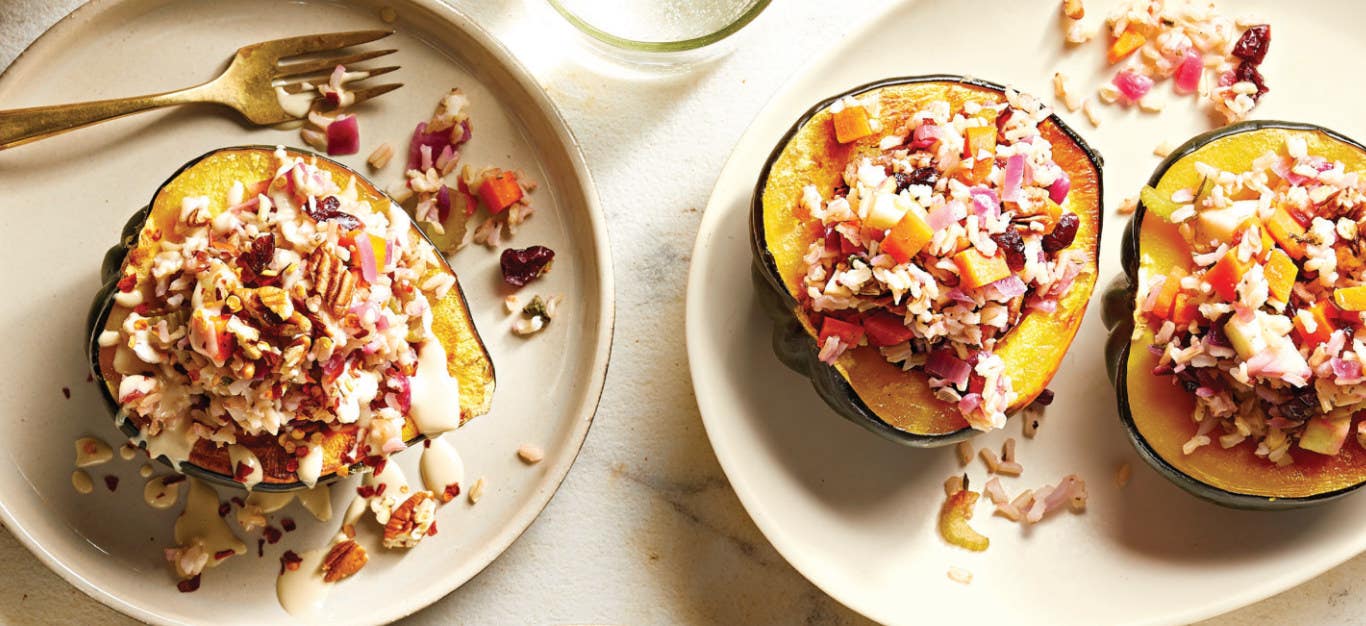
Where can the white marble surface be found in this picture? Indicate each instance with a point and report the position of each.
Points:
(645, 529)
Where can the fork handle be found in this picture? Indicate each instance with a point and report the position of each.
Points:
(20, 126)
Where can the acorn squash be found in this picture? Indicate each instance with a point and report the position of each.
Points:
(861, 385)
(211, 175)
(1157, 413)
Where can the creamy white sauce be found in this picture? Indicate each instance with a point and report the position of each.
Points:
(200, 523)
(435, 394)
(81, 482)
(270, 502)
(296, 104)
(159, 495)
(91, 451)
(146, 470)
(175, 442)
(441, 466)
(109, 338)
(391, 476)
(311, 466)
(355, 510)
(127, 451)
(241, 455)
(303, 591)
(318, 501)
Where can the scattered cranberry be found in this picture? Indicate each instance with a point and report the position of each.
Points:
(242, 472)
(66, 391)
(1045, 398)
(1013, 246)
(271, 534)
(327, 209)
(260, 255)
(1063, 234)
(918, 176)
(1253, 44)
(112, 482)
(523, 266)
(288, 524)
(451, 492)
(1247, 72)
(222, 554)
(188, 585)
(379, 491)
(223, 509)
(290, 561)
(431, 532)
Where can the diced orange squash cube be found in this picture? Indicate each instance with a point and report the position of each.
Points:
(977, 269)
(1268, 245)
(1280, 274)
(907, 238)
(1166, 296)
(1184, 310)
(977, 139)
(380, 247)
(1323, 327)
(1287, 231)
(1124, 45)
(852, 124)
(499, 191)
(1350, 298)
(1224, 275)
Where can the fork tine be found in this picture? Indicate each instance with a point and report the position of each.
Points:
(317, 66)
(296, 84)
(322, 42)
(374, 92)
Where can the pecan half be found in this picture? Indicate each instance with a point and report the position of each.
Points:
(343, 560)
(332, 282)
(277, 301)
(399, 530)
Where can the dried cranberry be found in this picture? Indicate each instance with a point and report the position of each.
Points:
(288, 524)
(1253, 44)
(918, 176)
(188, 585)
(66, 391)
(260, 255)
(1247, 72)
(112, 482)
(1004, 118)
(223, 509)
(1045, 398)
(271, 534)
(223, 554)
(1013, 246)
(1063, 234)
(523, 266)
(327, 209)
(1303, 404)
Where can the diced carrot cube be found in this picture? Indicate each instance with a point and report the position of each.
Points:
(1287, 231)
(1225, 274)
(1323, 327)
(1350, 298)
(1124, 45)
(1184, 310)
(977, 139)
(851, 124)
(978, 270)
(1166, 296)
(499, 191)
(907, 238)
(1280, 274)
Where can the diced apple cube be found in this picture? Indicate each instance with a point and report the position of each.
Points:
(885, 212)
(1222, 224)
(1246, 337)
(1325, 435)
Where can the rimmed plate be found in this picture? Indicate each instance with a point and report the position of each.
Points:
(63, 203)
(856, 514)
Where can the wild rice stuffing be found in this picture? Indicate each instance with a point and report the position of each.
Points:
(1267, 329)
(936, 247)
(1189, 41)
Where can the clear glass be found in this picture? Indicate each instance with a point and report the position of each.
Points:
(665, 34)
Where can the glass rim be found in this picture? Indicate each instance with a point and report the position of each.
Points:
(680, 45)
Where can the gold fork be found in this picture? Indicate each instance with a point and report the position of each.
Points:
(248, 85)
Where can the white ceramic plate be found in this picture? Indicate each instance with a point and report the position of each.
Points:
(63, 201)
(855, 513)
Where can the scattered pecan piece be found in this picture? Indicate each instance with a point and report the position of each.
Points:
(399, 530)
(343, 560)
(332, 282)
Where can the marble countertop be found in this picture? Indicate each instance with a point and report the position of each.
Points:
(645, 529)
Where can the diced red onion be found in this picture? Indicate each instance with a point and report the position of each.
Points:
(943, 364)
(941, 217)
(969, 403)
(1014, 178)
(1342, 368)
(1204, 392)
(984, 202)
(366, 254)
(343, 136)
(1057, 192)
(1042, 305)
(958, 295)
(925, 136)
(434, 142)
(1188, 73)
(1010, 286)
(443, 203)
(1133, 85)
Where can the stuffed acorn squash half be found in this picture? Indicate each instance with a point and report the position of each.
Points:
(273, 320)
(1236, 329)
(927, 247)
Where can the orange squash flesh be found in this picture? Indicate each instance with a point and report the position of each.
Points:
(812, 154)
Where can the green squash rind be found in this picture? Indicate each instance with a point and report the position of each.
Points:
(102, 305)
(1118, 309)
(791, 344)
